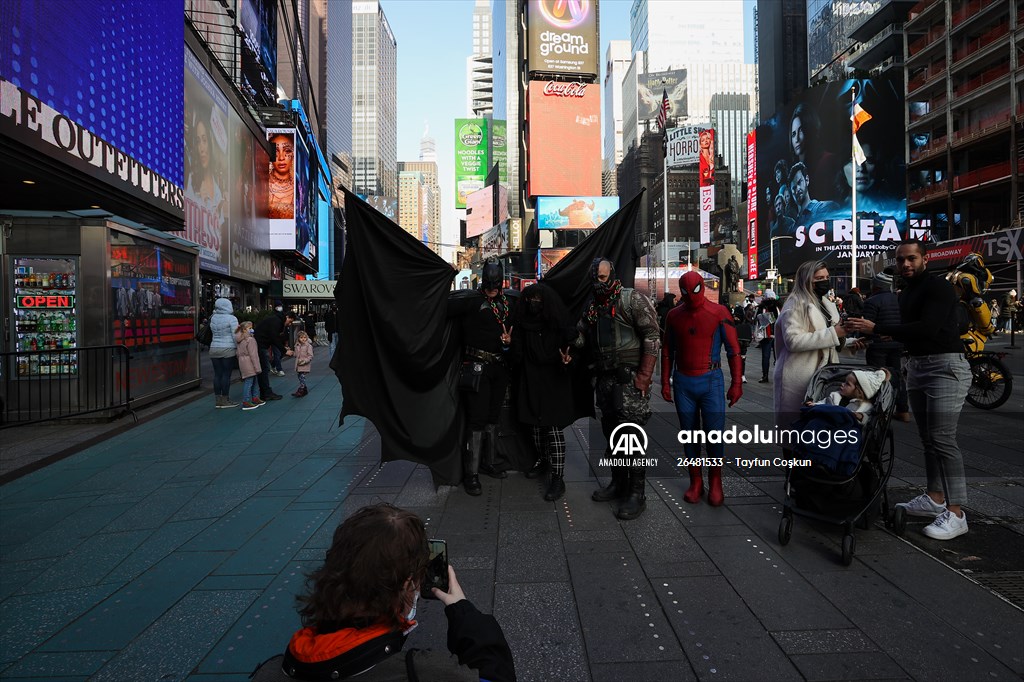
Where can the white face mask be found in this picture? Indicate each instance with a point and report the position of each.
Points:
(412, 611)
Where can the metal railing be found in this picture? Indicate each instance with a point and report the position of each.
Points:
(41, 385)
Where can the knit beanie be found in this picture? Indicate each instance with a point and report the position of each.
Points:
(869, 382)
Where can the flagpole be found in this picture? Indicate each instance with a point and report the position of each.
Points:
(853, 183)
(664, 204)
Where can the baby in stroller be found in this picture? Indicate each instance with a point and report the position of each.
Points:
(856, 392)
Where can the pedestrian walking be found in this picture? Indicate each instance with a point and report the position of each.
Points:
(938, 377)
(883, 307)
(303, 362)
(485, 320)
(1008, 312)
(539, 354)
(764, 333)
(331, 327)
(269, 335)
(745, 336)
(691, 377)
(667, 303)
(808, 336)
(248, 365)
(620, 332)
(222, 351)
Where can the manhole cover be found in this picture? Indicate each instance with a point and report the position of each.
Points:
(1007, 584)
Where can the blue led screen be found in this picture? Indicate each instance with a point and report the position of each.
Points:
(116, 67)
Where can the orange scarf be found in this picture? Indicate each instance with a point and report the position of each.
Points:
(309, 647)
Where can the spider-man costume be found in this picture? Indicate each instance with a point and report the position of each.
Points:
(691, 354)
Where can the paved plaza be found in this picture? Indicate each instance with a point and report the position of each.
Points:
(174, 550)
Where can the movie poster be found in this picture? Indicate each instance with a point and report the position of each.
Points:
(707, 182)
(805, 176)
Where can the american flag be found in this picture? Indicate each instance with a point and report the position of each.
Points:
(663, 111)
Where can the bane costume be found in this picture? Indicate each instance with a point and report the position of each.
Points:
(485, 319)
(695, 332)
(620, 330)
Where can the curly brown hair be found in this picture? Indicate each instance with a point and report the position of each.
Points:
(363, 578)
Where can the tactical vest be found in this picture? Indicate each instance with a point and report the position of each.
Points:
(614, 340)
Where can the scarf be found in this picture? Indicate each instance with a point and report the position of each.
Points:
(604, 305)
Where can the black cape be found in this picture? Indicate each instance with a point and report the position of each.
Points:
(570, 277)
(398, 357)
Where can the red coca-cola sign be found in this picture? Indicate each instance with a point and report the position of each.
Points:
(556, 89)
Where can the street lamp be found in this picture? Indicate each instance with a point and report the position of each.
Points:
(772, 247)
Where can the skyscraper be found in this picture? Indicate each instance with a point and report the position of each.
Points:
(617, 60)
(339, 90)
(374, 102)
(430, 194)
(479, 69)
(505, 88)
(675, 33)
(781, 53)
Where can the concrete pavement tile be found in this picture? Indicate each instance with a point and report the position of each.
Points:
(658, 536)
(543, 631)
(529, 548)
(691, 515)
(420, 491)
(770, 588)
(162, 542)
(814, 547)
(848, 666)
(620, 620)
(216, 499)
(466, 545)
(154, 509)
(988, 502)
(646, 671)
(27, 621)
(519, 493)
(924, 643)
(795, 642)
(236, 677)
(467, 514)
(389, 475)
(596, 542)
(302, 475)
(115, 621)
(681, 569)
(719, 634)
(88, 563)
(211, 462)
(66, 534)
(577, 512)
(57, 666)
(172, 646)
(970, 609)
(717, 531)
(235, 528)
(238, 582)
(274, 545)
(265, 627)
(17, 574)
(27, 521)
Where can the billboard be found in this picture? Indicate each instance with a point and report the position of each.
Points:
(650, 87)
(499, 148)
(258, 22)
(304, 236)
(805, 176)
(480, 210)
(564, 142)
(706, 142)
(494, 242)
(752, 265)
(682, 145)
(549, 258)
(471, 162)
(574, 213)
(386, 206)
(562, 37)
(97, 86)
(281, 188)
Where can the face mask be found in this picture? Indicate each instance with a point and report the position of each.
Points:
(821, 288)
(691, 286)
(602, 288)
(535, 307)
(412, 611)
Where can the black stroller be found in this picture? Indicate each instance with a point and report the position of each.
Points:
(850, 498)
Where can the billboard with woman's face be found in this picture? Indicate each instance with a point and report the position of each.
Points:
(806, 176)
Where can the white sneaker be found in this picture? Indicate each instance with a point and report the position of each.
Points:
(744, 378)
(946, 526)
(922, 505)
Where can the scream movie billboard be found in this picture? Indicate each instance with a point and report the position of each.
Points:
(805, 176)
(564, 139)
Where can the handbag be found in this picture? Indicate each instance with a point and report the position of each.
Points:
(470, 376)
(205, 334)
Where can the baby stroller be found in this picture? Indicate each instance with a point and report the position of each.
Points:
(849, 495)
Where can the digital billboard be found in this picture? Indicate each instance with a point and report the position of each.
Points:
(805, 176)
(480, 210)
(258, 21)
(98, 87)
(651, 87)
(682, 145)
(564, 141)
(706, 141)
(574, 213)
(471, 162)
(562, 37)
(305, 203)
(386, 206)
(495, 241)
(752, 264)
(282, 187)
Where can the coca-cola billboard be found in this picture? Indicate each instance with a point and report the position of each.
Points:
(564, 140)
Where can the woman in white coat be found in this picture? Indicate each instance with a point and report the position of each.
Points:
(808, 335)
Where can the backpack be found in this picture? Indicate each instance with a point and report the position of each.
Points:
(205, 334)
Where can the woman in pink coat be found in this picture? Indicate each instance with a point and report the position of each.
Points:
(248, 365)
(303, 361)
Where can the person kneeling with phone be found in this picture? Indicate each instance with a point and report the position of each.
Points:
(359, 609)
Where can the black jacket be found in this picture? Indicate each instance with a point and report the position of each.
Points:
(883, 309)
(474, 637)
(544, 395)
(270, 331)
(930, 321)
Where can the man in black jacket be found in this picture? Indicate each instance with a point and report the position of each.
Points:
(883, 308)
(269, 334)
(938, 377)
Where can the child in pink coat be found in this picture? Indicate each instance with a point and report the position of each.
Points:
(248, 365)
(303, 361)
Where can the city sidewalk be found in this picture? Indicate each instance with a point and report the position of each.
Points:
(173, 550)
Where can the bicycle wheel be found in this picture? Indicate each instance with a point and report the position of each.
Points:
(991, 382)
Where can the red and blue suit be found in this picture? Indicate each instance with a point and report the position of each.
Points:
(691, 355)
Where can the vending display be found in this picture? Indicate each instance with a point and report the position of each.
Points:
(45, 315)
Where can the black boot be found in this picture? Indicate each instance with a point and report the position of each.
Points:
(490, 454)
(618, 488)
(555, 489)
(637, 501)
(538, 468)
(471, 464)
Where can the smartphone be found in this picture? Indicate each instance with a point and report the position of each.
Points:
(437, 569)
